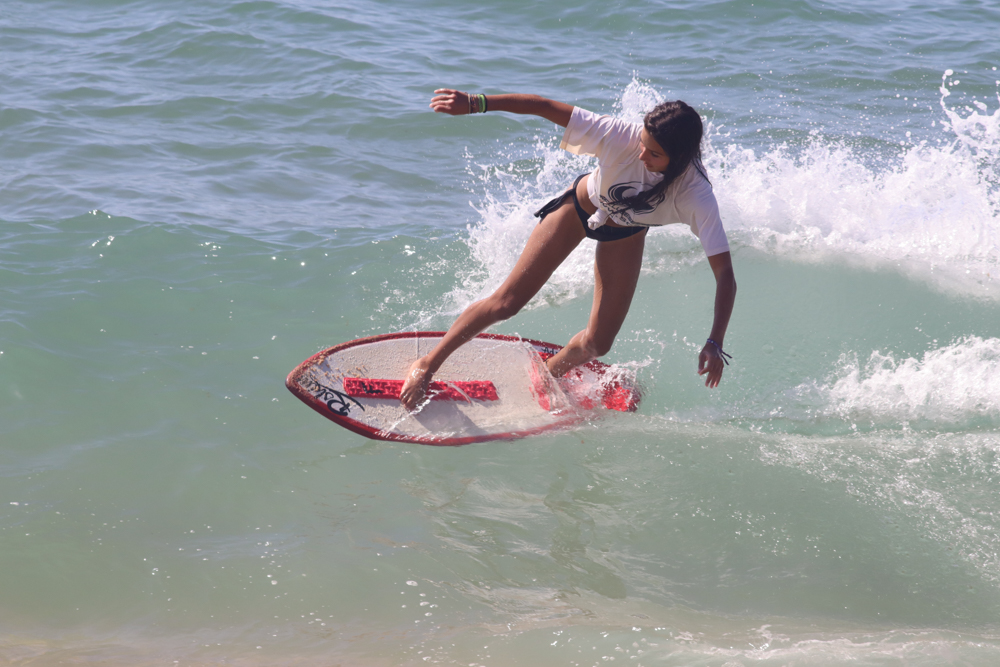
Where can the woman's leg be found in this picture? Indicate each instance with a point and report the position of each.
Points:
(616, 271)
(552, 240)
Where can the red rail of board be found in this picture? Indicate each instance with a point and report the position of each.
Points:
(480, 390)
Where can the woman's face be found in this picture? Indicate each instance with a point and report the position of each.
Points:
(654, 157)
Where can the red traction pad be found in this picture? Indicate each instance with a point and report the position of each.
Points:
(480, 390)
(622, 399)
(614, 395)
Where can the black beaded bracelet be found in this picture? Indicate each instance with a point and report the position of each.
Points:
(722, 352)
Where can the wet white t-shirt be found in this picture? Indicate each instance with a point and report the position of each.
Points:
(620, 173)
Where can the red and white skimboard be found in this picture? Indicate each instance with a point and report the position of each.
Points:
(492, 388)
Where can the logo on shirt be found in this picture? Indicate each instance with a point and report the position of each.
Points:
(619, 208)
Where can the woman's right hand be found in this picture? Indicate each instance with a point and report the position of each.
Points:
(451, 102)
(415, 386)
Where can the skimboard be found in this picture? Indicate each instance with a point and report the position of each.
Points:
(494, 387)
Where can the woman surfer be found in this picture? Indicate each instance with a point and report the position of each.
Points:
(648, 174)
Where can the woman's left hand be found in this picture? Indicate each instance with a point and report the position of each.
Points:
(451, 102)
(710, 361)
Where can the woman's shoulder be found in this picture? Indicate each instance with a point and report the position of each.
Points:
(605, 122)
(693, 189)
(589, 133)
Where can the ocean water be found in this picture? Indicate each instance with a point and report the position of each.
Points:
(196, 196)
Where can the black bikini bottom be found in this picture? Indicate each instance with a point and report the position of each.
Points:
(602, 233)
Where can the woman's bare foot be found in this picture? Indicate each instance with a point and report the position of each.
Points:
(418, 379)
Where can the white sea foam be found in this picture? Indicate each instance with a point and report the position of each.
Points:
(929, 209)
(955, 384)
(933, 210)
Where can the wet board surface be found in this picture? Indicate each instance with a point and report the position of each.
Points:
(492, 388)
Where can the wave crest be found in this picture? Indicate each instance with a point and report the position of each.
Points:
(958, 384)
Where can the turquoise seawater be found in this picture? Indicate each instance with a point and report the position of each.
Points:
(196, 196)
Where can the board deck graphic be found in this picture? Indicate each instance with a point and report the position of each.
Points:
(494, 387)
(439, 391)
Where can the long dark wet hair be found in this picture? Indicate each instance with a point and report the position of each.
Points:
(678, 129)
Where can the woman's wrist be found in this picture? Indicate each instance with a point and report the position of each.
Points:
(477, 103)
(725, 356)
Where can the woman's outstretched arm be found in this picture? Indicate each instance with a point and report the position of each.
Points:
(710, 360)
(457, 103)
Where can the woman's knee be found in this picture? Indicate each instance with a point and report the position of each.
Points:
(601, 348)
(597, 345)
(503, 306)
